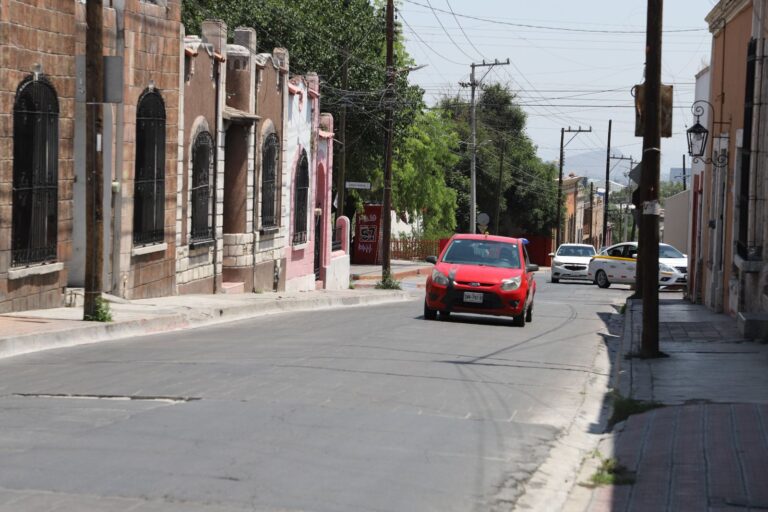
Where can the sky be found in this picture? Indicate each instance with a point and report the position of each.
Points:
(572, 63)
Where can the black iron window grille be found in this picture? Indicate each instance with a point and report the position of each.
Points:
(301, 205)
(149, 184)
(34, 214)
(202, 171)
(269, 160)
(742, 235)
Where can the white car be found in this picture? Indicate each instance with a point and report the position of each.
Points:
(617, 264)
(571, 261)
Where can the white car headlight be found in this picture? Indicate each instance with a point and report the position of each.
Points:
(439, 278)
(663, 267)
(556, 262)
(513, 283)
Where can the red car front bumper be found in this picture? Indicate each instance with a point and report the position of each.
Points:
(494, 301)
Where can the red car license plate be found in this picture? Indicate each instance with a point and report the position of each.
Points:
(473, 297)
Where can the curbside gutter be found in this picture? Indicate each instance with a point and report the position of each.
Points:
(94, 332)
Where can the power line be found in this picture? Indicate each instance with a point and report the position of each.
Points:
(545, 27)
(448, 33)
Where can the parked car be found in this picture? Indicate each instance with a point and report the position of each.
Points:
(617, 264)
(571, 261)
(489, 275)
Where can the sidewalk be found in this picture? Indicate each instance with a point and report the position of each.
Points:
(31, 331)
(706, 449)
(411, 274)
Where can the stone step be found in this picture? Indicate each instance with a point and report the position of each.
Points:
(232, 287)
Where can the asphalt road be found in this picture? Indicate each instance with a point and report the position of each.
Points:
(357, 409)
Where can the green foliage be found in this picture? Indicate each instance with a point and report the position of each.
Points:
(527, 192)
(388, 283)
(102, 312)
(419, 173)
(624, 407)
(669, 188)
(610, 472)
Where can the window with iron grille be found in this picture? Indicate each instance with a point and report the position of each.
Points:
(742, 236)
(269, 159)
(34, 223)
(202, 170)
(149, 184)
(301, 204)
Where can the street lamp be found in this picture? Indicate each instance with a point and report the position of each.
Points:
(698, 136)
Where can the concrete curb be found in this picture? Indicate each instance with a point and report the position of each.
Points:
(554, 484)
(395, 275)
(87, 333)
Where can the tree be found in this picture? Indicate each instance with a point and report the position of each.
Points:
(527, 192)
(419, 168)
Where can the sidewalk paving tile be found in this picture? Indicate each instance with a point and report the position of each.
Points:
(707, 449)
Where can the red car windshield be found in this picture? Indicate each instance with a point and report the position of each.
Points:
(483, 252)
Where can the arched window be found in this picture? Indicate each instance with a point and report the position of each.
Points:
(302, 201)
(149, 184)
(269, 160)
(35, 172)
(202, 170)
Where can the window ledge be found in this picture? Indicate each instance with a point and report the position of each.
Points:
(271, 230)
(35, 270)
(748, 266)
(298, 247)
(196, 244)
(149, 249)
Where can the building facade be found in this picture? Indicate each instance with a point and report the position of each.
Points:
(728, 224)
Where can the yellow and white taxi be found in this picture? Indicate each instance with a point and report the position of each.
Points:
(618, 263)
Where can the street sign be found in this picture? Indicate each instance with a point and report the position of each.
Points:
(634, 174)
(362, 185)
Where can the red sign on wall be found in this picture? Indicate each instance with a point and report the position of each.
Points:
(368, 236)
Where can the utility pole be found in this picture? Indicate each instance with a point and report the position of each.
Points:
(684, 184)
(607, 183)
(563, 145)
(473, 84)
(94, 204)
(386, 210)
(607, 186)
(498, 191)
(649, 183)
(341, 190)
(592, 212)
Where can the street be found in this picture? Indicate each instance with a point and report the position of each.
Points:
(355, 409)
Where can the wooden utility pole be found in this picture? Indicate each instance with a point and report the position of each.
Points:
(341, 190)
(607, 184)
(560, 191)
(649, 183)
(94, 203)
(386, 209)
(498, 192)
(607, 189)
(684, 183)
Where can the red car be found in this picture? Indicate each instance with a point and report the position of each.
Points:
(489, 275)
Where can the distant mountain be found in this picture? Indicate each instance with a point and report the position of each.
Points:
(592, 165)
